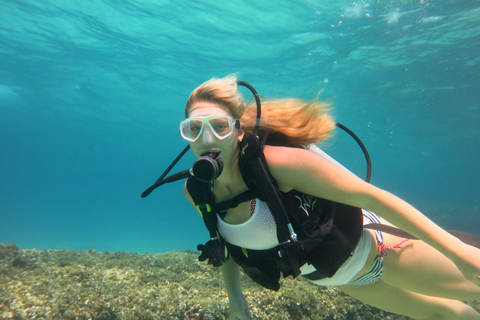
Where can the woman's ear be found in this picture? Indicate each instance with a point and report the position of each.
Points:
(241, 133)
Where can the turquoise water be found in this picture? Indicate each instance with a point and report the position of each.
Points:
(91, 93)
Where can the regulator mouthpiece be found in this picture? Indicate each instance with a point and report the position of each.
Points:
(208, 167)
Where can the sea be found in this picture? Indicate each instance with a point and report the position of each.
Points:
(92, 92)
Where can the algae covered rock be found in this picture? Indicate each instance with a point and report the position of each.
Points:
(66, 284)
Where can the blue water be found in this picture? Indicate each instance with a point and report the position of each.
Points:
(91, 93)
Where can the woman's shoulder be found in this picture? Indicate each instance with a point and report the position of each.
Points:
(285, 163)
(307, 172)
(277, 156)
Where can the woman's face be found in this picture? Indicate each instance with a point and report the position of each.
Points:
(208, 142)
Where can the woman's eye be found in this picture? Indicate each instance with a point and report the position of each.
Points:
(220, 126)
(195, 126)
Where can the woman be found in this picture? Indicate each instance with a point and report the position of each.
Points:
(422, 279)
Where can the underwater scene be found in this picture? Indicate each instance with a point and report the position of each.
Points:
(91, 96)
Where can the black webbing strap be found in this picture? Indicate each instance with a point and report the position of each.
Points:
(389, 229)
(235, 201)
(467, 238)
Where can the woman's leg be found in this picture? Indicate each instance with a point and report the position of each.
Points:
(418, 282)
(420, 268)
(411, 304)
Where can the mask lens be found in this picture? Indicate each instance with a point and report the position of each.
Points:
(222, 126)
(190, 129)
(195, 127)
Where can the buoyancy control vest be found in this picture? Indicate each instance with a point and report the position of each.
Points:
(324, 236)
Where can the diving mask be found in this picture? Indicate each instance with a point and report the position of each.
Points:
(220, 126)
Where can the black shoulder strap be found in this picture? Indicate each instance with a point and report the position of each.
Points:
(256, 176)
(213, 250)
(202, 196)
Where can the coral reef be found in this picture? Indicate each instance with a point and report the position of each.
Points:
(65, 284)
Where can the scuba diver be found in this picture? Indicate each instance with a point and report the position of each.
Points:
(275, 204)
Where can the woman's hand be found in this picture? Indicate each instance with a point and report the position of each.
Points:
(468, 262)
(239, 309)
(238, 303)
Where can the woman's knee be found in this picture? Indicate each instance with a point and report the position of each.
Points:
(411, 304)
(453, 310)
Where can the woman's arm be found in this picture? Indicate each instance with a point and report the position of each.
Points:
(231, 276)
(238, 304)
(304, 171)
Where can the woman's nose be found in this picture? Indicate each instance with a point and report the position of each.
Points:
(207, 136)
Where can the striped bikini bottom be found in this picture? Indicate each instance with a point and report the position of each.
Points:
(375, 273)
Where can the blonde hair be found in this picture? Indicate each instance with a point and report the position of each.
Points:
(223, 91)
(301, 122)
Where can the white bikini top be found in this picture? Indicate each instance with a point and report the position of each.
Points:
(257, 233)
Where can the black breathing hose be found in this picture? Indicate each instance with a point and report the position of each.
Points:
(257, 101)
(160, 181)
(362, 146)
